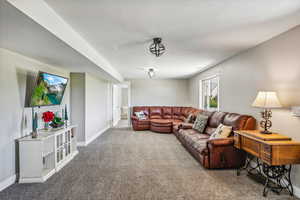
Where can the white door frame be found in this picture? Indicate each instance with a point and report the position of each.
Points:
(127, 85)
(115, 104)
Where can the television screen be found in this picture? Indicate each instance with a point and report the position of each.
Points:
(49, 90)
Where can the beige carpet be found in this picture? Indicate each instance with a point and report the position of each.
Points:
(122, 164)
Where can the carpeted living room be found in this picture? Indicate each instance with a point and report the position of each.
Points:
(149, 100)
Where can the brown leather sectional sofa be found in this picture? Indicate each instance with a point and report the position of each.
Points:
(211, 153)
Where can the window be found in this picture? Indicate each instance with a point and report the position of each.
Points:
(209, 93)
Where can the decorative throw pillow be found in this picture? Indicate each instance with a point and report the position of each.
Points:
(141, 115)
(189, 119)
(221, 132)
(200, 123)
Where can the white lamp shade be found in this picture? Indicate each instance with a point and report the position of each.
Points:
(266, 99)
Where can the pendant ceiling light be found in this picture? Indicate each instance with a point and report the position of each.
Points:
(157, 48)
(151, 73)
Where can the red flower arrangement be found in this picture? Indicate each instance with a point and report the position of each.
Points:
(48, 116)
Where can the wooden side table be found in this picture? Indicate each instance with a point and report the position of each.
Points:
(273, 155)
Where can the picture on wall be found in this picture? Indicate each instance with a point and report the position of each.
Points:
(49, 90)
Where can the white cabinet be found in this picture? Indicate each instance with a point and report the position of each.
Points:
(41, 157)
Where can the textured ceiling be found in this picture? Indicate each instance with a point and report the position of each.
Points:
(197, 33)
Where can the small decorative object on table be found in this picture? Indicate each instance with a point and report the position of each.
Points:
(48, 117)
(66, 118)
(34, 124)
(57, 122)
(266, 100)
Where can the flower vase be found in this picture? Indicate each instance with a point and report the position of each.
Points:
(47, 126)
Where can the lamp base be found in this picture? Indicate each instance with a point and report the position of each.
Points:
(266, 132)
(266, 122)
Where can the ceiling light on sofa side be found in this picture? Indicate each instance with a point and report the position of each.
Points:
(151, 73)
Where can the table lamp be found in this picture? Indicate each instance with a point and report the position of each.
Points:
(266, 100)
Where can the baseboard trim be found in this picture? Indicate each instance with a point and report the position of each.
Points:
(7, 182)
(86, 143)
(81, 144)
(296, 191)
(116, 123)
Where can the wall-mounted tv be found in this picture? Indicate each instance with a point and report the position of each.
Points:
(49, 90)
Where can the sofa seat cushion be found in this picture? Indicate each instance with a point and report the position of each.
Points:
(195, 140)
(184, 132)
(194, 137)
(161, 122)
(176, 121)
(200, 146)
(190, 135)
(210, 130)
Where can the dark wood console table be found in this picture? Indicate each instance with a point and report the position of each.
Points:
(272, 156)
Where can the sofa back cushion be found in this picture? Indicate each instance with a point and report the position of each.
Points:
(215, 119)
(155, 112)
(141, 108)
(167, 112)
(185, 111)
(195, 112)
(177, 113)
(235, 120)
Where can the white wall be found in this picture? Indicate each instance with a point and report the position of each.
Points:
(273, 65)
(117, 101)
(17, 72)
(97, 106)
(158, 92)
(124, 97)
(77, 83)
(91, 105)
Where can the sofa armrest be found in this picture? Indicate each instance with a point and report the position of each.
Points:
(223, 154)
(220, 142)
(134, 118)
(186, 126)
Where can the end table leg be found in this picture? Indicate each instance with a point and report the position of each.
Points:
(238, 171)
(266, 188)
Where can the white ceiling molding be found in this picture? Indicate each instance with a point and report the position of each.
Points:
(40, 12)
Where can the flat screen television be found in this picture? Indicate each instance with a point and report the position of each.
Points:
(49, 90)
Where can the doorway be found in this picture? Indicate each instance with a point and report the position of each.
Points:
(121, 105)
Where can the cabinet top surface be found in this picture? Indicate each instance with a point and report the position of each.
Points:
(42, 134)
(282, 143)
(265, 137)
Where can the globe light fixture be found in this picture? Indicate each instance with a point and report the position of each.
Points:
(157, 48)
(151, 73)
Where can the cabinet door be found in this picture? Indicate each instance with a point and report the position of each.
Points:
(31, 159)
